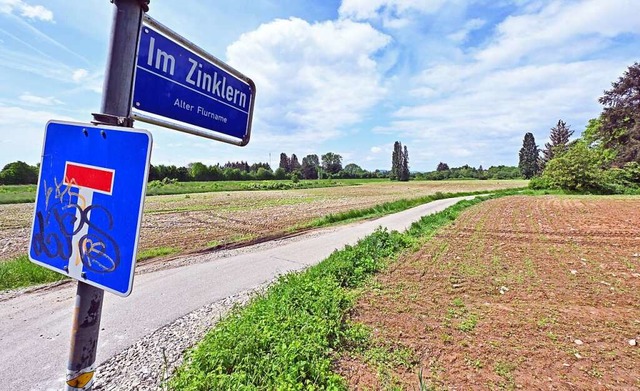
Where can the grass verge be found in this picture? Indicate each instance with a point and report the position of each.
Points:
(17, 194)
(396, 206)
(20, 272)
(287, 338)
(162, 188)
(155, 252)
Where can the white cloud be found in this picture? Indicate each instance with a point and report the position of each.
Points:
(376, 149)
(487, 113)
(37, 12)
(24, 141)
(471, 25)
(313, 79)
(39, 100)
(91, 81)
(39, 64)
(371, 9)
(551, 60)
(79, 75)
(560, 31)
(26, 10)
(460, 152)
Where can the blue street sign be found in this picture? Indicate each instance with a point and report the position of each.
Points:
(178, 85)
(89, 203)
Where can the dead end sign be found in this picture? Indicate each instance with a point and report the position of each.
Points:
(89, 203)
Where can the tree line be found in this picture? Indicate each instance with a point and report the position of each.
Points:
(327, 166)
(605, 159)
(443, 172)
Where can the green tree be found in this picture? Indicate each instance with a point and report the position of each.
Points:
(199, 172)
(579, 169)
(216, 172)
(285, 163)
(529, 157)
(442, 167)
(264, 174)
(353, 170)
(18, 173)
(294, 164)
(404, 166)
(280, 174)
(620, 118)
(154, 174)
(310, 166)
(559, 138)
(232, 174)
(396, 161)
(331, 162)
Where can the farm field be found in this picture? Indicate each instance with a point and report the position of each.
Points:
(518, 293)
(192, 222)
(15, 194)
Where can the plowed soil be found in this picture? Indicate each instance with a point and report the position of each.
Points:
(520, 293)
(198, 221)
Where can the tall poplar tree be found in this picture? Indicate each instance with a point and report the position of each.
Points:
(396, 159)
(404, 171)
(399, 163)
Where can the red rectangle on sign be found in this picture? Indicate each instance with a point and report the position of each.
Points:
(95, 178)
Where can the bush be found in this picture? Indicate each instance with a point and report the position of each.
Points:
(18, 173)
(579, 169)
(540, 183)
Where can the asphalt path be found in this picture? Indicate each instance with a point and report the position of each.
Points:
(35, 327)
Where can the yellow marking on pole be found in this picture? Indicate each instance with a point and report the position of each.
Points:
(82, 380)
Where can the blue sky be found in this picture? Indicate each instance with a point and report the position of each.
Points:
(457, 81)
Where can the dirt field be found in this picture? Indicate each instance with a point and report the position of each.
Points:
(520, 293)
(199, 221)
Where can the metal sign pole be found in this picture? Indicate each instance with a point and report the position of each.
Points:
(116, 110)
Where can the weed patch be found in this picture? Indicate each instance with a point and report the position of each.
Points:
(390, 207)
(155, 252)
(285, 339)
(21, 272)
(16, 194)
